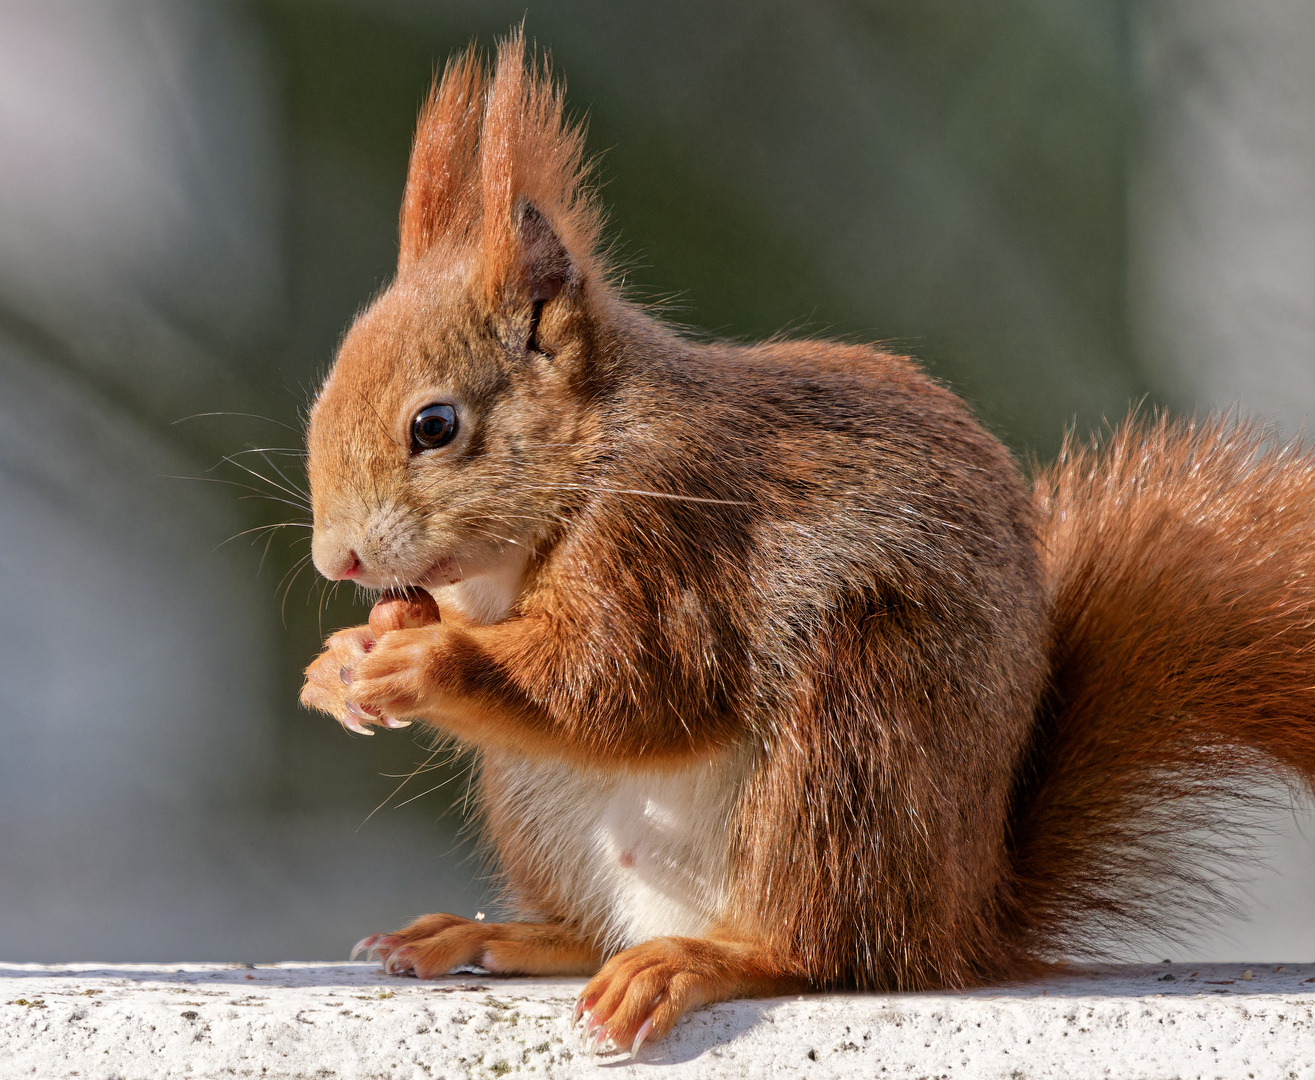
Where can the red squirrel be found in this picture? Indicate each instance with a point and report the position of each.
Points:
(777, 673)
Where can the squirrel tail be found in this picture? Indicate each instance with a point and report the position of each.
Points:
(1180, 559)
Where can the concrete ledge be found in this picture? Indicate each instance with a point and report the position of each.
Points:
(349, 1021)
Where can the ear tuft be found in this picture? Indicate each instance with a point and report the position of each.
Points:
(545, 265)
(497, 167)
(441, 197)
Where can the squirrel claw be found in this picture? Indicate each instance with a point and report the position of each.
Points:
(353, 725)
(644, 1029)
(399, 962)
(366, 945)
(595, 1036)
(394, 724)
(361, 714)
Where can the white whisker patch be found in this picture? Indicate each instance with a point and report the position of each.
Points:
(486, 597)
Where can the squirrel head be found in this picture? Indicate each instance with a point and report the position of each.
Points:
(448, 433)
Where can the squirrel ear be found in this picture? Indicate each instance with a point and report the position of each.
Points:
(544, 268)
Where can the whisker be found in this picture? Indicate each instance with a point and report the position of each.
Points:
(427, 791)
(269, 539)
(211, 480)
(274, 498)
(295, 571)
(425, 767)
(411, 776)
(494, 536)
(266, 528)
(256, 493)
(295, 566)
(252, 416)
(634, 491)
(290, 451)
(327, 593)
(284, 476)
(293, 491)
(315, 580)
(388, 433)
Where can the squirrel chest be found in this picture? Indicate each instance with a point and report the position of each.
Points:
(627, 855)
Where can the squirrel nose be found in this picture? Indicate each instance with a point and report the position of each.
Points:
(348, 567)
(334, 552)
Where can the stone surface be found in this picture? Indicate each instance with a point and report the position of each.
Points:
(331, 1021)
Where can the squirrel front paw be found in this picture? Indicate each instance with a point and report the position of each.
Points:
(397, 677)
(330, 677)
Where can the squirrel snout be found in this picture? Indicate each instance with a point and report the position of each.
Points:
(349, 566)
(387, 549)
(335, 560)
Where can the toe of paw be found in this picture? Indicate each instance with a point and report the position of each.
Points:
(401, 961)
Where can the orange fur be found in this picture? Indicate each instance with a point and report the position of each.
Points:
(1179, 559)
(948, 729)
(443, 178)
(484, 146)
(645, 990)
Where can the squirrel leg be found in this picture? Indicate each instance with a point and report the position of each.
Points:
(640, 993)
(435, 944)
(517, 684)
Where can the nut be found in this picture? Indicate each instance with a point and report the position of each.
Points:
(402, 609)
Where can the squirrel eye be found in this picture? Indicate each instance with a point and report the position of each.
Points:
(434, 426)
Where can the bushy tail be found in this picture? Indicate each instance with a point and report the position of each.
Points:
(1181, 563)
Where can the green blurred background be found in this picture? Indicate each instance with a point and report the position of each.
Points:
(1060, 207)
(950, 177)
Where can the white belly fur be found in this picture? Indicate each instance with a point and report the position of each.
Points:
(640, 855)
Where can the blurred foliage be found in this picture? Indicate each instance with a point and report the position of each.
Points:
(747, 149)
